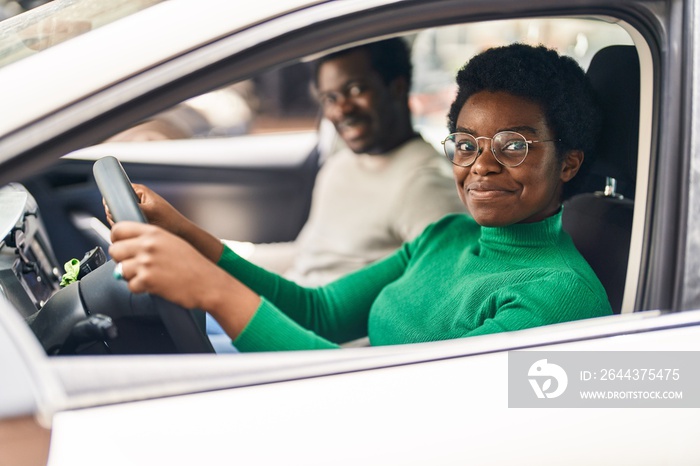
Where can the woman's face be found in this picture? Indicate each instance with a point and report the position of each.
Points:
(496, 195)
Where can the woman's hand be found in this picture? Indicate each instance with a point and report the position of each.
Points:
(161, 213)
(158, 262)
(157, 210)
(155, 261)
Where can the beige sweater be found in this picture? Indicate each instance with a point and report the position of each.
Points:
(363, 208)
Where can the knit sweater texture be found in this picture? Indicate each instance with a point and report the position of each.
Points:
(457, 279)
(363, 208)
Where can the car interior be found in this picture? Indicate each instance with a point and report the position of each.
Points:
(239, 187)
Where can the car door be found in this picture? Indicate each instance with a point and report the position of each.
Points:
(408, 410)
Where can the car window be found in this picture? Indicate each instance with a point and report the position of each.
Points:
(275, 101)
(57, 21)
(282, 100)
(438, 53)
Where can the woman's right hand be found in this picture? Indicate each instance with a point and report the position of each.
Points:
(155, 261)
(157, 210)
(161, 213)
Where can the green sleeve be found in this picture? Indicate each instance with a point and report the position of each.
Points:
(294, 317)
(543, 302)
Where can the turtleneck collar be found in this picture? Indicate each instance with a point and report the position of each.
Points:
(534, 234)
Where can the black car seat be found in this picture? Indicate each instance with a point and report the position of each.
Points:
(599, 217)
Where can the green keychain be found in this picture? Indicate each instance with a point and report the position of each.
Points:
(72, 268)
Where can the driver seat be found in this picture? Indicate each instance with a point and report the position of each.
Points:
(599, 217)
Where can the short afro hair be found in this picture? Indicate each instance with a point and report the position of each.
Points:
(391, 58)
(556, 83)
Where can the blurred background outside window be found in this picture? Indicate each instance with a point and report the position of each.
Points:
(281, 100)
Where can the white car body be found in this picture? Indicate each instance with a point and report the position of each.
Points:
(435, 403)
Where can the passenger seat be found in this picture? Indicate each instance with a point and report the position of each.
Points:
(599, 217)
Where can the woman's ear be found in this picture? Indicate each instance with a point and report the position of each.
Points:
(571, 164)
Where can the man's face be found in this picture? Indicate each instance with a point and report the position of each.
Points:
(362, 108)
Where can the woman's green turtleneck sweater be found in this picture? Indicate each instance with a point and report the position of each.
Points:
(457, 279)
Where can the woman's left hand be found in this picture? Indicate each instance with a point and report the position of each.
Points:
(158, 262)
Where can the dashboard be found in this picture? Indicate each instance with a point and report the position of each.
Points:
(29, 271)
(95, 314)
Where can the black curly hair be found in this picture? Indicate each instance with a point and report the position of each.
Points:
(556, 83)
(391, 58)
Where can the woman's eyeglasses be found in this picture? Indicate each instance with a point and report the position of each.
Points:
(508, 147)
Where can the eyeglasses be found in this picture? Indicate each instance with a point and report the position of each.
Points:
(351, 91)
(508, 147)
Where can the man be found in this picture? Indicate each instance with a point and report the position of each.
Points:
(383, 189)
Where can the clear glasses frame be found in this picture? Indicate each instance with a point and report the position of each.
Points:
(351, 91)
(509, 148)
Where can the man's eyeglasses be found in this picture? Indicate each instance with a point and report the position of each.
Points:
(350, 91)
(508, 147)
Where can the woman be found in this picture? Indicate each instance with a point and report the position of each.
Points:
(521, 122)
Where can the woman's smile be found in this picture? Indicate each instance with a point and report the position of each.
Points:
(484, 190)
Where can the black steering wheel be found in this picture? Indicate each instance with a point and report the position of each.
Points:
(123, 204)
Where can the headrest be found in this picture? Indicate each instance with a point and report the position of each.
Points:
(614, 74)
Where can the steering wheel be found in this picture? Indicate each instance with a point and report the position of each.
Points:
(123, 204)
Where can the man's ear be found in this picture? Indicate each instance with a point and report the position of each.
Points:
(571, 164)
(399, 87)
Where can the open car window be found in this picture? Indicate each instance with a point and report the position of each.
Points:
(277, 102)
(282, 100)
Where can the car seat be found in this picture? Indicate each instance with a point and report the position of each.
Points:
(599, 216)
